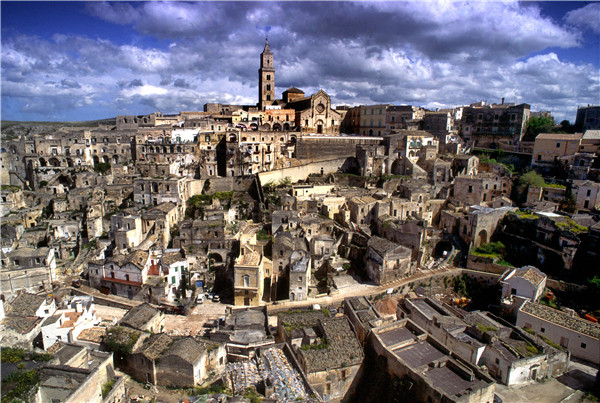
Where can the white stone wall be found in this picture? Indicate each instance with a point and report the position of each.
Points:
(556, 333)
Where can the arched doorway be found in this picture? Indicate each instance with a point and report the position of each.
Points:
(482, 238)
(105, 158)
(42, 162)
(319, 126)
(115, 159)
(54, 162)
(277, 127)
(286, 126)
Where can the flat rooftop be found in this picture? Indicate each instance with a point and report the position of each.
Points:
(452, 383)
(396, 336)
(419, 354)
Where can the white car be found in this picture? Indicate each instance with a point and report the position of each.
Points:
(200, 299)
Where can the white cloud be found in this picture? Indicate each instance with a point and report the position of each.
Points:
(425, 53)
(587, 17)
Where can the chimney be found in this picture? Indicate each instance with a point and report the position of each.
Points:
(502, 100)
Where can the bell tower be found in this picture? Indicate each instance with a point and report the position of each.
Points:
(266, 78)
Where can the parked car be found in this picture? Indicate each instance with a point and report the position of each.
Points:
(216, 298)
(200, 299)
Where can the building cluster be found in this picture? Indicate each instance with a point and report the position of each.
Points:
(285, 202)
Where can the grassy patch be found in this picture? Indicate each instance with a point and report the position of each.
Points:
(525, 215)
(570, 225)
(483, 328)
(11, 188)
(551, 343)
(107, 387)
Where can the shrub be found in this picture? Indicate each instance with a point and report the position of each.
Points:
(102, 167)
(12, 354)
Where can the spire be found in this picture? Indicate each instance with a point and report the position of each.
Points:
(267, 49)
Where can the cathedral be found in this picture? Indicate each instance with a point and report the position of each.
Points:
(312, 114)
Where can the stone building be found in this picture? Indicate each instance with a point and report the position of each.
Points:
(526, 282)
(314, 114)
(299, 276)
(327, 349)
(550, 148)
(386, 261)
(28, 269)
(248, 273)
(473, 190)
(433, 373)
(144, 317)
(588, 117)
(579, 336)
(164, 360)
(23, 316)
(77, 374)
(492, 126)
(373, 120)
(266, 78)
(122, 275)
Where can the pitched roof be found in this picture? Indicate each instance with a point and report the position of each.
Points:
(562, 318)
(531, 274)
(25, 305)
(293, 90)
(21, 324)
(187, 349)
(138, 258)
(558, 136)
(137, 317)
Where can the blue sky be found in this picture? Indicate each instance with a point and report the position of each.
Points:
(92, 60)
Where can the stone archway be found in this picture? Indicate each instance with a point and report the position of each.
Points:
(277, 127)
(54, 162)
(482, 238)
(43, 162)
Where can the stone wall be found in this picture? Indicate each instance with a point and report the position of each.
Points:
(301, 172)
(228, 184)
(318, 148)
(485, 264)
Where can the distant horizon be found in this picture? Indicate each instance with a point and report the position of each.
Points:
(82, 61)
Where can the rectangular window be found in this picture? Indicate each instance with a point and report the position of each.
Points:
(583, 345)
(557, 145)
(173, 280)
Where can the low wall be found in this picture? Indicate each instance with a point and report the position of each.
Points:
(228, 184)
(485, 264)
(302, 171)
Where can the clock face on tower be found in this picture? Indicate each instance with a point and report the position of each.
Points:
(320, 108)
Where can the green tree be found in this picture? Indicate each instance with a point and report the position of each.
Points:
(538, 125)
(531, 178)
